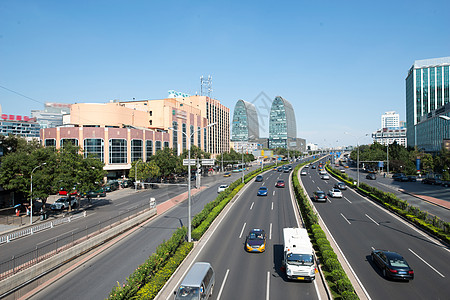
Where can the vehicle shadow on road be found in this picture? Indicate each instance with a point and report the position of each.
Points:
(277, 262)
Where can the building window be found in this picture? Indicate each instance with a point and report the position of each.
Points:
(175, 137)
(151, 122)
(166, 145)
(148, 149)
(205, 139)
(137, 150)
(192, 134)
(50, 143)
(64, 142)
(184, 135)
(151, 113)
(199, 138)
(117, 151)
(94, 148)
(157, 146)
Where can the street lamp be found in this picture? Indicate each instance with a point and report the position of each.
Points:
(31, 192)
(189, 172)
(357, 145)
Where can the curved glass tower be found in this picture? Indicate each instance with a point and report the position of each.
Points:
(282, 125)
(245, 122)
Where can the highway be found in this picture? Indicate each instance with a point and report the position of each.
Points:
(96, 278)
(242, 275)
(358, 226)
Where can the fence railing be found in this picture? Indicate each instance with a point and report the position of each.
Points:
(25, 260)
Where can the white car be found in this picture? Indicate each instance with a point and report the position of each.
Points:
(323, 172)
(325, 177)
(303, 173)
(335, 193)
(63, 203)
(222, 188)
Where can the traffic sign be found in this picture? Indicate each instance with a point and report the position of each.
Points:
(187, 162)
(208, 162)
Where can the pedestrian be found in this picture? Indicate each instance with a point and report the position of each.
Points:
(28, 211)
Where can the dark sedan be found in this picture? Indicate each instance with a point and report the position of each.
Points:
(259, 178)
(371, 176)
(320, 196)
(392, 265)
(340, 185)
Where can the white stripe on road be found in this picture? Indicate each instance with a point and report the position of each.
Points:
(272, 206)
(242, 231)
(347, 200)
(223, 284)
(251, 206)
(427, 263)
(372, 220)
(345, 219)
(273, 194)
(270, 232)
(122, 203)
(268, 286)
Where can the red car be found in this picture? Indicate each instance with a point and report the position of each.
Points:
(280, 184)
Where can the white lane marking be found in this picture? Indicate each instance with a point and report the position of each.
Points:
(268, 286)
(263, 184)
(372, 248)
(91, 214)
(318, 188)
(55, 237)
(251, 206)
(312, 180)
(242, 231)
(372, 220)
(328, 199)
(273, 194)
(347, 200)
(345, 219)
(270, 232)
(122, 203)
(223, 284)
(272, 206)
(317, 290)
(427, 263)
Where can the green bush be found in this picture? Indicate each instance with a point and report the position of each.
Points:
(343, 285)
(338, 274)
(328, 254)
(349, 295)
(332, 264)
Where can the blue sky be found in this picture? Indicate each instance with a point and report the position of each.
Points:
(341, 64)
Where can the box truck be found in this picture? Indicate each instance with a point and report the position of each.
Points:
(298, 255)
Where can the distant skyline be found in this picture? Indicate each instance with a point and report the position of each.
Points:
(341, 64)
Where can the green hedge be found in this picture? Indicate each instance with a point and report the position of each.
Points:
(337, 280)
(432, 224)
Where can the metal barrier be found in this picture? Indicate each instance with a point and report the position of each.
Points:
(46, 251)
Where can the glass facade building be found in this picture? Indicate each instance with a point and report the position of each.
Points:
(427, 92)
(245, 125)
(282, 124)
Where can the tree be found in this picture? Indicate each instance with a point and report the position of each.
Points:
(167, 161)
(144, 170)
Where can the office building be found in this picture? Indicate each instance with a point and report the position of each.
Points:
(23, 126)
(245, 126)
(52, 115)
(390, 119)
(427, 96)
(390, 135)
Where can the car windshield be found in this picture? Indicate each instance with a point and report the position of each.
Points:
(280, 181)
(400, 263)
(336, 191)
(263, 188)
(61, 200)
(187, 293)
(300, 259)
(223, 186)
(256, 236)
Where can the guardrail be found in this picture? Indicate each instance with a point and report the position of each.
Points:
(25, 260)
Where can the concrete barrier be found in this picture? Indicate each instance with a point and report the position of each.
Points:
(31, 273)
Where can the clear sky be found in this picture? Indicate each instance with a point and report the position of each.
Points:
(341, 64)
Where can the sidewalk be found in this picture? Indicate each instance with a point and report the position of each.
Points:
(439, 202)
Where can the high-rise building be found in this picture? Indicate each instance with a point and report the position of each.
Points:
(283, 127)
(390, 119)
(245, 125)
(23, 126)
(427, 96)
(52, 115)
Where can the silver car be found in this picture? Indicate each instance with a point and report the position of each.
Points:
(63, 203)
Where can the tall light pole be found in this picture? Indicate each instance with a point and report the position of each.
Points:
(387, 158)
(357, 145)
(189, 173)
(31, 192)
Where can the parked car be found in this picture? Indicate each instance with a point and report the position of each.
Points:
(63, 203)
(371, 176)
(96, 193)
(445, 183)
(431, 180)
(222, 188)
(392, 265)
(262, 191)
(398, 176)
(412, 178)
(340, 185)
(280, 184)
(256, 241)
(259, 178)
(335, 193)
(320, 196)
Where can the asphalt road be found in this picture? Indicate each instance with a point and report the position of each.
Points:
(242, 275)
(96, 278)
(358, 226)
(391, 186)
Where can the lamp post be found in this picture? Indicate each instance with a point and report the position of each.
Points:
(31, 192)
(357, 145)
(189, 173)
(135, 174)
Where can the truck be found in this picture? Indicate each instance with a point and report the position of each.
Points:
(298, 255)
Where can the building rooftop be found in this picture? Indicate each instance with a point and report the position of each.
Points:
(424, 63)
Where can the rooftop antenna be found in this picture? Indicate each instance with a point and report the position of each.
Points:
(206, 86)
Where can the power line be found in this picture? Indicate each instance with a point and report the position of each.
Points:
(40, 102)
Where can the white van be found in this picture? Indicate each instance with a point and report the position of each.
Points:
(198, 283)
(298, 255)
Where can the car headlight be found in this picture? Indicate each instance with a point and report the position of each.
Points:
(288, 271)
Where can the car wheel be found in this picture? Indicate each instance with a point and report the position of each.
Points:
(62, 207)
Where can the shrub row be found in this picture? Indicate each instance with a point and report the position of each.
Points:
(157, 269)
(152, 288)
(423, 219)
(338, 280)
(153, 264)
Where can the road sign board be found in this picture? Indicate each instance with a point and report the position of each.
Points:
(208, 162)
(187, 162)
